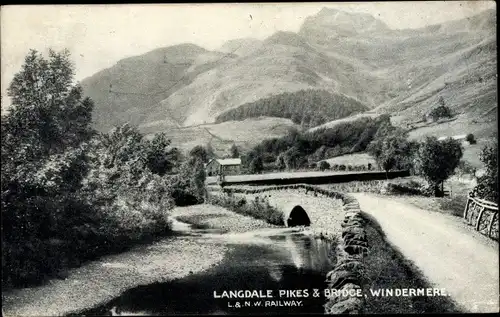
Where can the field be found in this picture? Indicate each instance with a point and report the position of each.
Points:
(245, 134)
(352, 159)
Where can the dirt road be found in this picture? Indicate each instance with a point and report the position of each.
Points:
(450, 255)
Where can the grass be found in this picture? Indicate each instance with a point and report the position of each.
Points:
(374, 186)
(353, 159)
(386, 268)
(452, 205)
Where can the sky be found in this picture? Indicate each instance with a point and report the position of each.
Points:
(100, 35)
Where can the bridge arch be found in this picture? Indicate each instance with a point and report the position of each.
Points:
(295, 215)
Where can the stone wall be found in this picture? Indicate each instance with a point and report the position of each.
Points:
(347, 275)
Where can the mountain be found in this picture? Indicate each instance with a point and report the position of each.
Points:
(401, 72)
(241, 47)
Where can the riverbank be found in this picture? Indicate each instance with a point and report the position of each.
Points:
(99, 281)
(215, 217)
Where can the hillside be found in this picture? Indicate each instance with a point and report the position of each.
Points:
(306, 107)
(245, 134)
(401, 72)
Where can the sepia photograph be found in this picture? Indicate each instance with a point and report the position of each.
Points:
(249, 158)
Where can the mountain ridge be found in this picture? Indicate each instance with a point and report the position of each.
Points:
(360, 57)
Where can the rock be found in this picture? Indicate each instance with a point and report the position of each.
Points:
(352, 305)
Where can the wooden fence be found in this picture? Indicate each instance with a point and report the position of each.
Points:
(483, 215)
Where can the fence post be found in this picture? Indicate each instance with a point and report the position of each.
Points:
(482, 209)
(467, 206)
(492, 221)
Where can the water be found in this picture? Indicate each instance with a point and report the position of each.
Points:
(261, 260)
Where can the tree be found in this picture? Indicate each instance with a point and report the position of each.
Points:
(487, 184)
(199, 152)
(256, 165)
(393, 151)
(437, 160)
(160, 157)
(439, 112)
(44, 145)
(48, 112)
(280, 162)
(470, 138)
(324, 165)
(188, 186)
(235, 152)
(210, 151)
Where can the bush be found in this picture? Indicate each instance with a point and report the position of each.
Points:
(465, 168)
(342, 167)
(487, 187)
(406, 188)
(470, 138)
(439, 112)
(257, 208)
(335, 167)
(324, 165)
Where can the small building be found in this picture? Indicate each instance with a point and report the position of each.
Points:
(230, 166)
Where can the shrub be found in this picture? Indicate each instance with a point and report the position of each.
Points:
(487, 187)
(439, 112)
(406, 188)
(256, 165)
(335, 167)
(470, 138)
(342, 167)
(369, 166)
(324, 165)
(257, 208)
(465, 168)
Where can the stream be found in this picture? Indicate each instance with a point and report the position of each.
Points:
(264, 260)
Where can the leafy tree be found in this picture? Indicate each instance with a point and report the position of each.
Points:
(280, 162)
(160, 157)
(210, 151)
(44, 142)
(324, 165)
(256, 165)
(487, 184)
(470, 138)
(235, 152)
(200, 152)
(393, 151)
(439, 112)
(437, 160)
(188, 186)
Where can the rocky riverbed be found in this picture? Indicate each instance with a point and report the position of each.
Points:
(215, 217)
